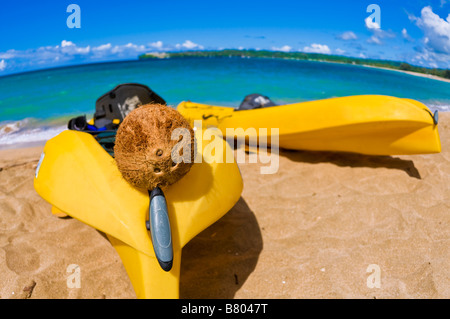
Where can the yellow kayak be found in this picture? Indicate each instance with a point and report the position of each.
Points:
(78, 177)
(366, 124)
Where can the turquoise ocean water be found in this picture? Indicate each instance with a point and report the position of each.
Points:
(36, 106)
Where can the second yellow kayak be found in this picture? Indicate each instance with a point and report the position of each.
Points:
(366, 124)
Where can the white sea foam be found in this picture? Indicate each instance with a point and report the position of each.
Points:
(27, 131)
(440, 108)
(11, 127)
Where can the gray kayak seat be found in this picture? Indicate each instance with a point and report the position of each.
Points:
(255, 101)
(117, 103)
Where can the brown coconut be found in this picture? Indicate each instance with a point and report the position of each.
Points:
(143, 148)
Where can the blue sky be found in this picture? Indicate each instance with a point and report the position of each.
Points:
(34, 34)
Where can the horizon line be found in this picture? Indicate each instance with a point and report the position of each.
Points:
(137, 59)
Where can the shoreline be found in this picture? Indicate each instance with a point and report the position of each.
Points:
(423, 75)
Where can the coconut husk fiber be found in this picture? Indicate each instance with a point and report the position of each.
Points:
(144, 147)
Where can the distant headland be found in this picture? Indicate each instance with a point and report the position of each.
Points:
(439, 74)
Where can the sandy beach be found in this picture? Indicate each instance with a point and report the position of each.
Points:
(332, 222)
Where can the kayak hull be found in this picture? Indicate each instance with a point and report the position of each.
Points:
(369, 124)
(149, 280)
(78, 178)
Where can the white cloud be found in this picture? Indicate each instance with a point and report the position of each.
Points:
(348, 35)
(65, 43)
(370, 24)
(404, 33)
(435, 50)
(7, 55)
(377, 33)
(188, 44)
(68, 47)
(432, 59)
(84, 50)
(406, 36)
(157, 45)
(128, 49)
(133, 47)
(101, 51)
(102, 47)
(317, 48)
(68, 52)
(339, 51)
(284, 48)
(374, 39)
(435, 29)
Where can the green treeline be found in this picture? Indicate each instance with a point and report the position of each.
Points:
(445, 73)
